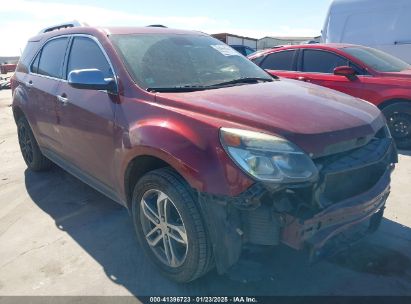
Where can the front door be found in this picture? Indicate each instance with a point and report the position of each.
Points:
(86, 117)
(317, 67)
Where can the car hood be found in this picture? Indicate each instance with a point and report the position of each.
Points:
(319, 120)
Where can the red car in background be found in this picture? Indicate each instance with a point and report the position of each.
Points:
(360, 71)
(7, 68)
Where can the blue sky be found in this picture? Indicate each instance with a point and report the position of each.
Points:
(20, 19)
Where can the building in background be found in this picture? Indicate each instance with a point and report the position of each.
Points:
(232, 39)
(270, 42)
(312, 41)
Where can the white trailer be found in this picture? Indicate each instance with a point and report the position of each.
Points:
(381, 24)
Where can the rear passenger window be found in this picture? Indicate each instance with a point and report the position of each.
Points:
(27, 55)
(279, 61)
(51, 58)
(321, 62)
(86, 54)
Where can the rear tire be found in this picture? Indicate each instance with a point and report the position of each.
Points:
(29, 148)
(399, 121)
(162, 199)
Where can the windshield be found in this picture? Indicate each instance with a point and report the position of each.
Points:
(175, 60)
(377, 59)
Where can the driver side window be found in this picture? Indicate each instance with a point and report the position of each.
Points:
(315, 61)
(86, 54)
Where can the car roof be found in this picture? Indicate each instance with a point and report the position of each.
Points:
(114, 31)
(320, 45)
(146, 30)
(323, 46)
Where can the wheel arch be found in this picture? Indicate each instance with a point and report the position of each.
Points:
(137, 168)
(392, 101)
(17, 113)
(191, 148)
(400, 132)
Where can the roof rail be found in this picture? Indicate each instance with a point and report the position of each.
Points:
(156, 25)
(64, 25)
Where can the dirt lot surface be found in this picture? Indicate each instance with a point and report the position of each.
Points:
(60, 237)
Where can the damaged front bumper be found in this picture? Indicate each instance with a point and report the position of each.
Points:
(337, 218)
(352, 190)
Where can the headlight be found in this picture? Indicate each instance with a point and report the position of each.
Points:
(267, 157)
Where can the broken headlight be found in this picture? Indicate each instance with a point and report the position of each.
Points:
(267, 157)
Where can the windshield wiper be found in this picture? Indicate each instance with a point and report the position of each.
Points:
(243, 80)
(190, 88)
(178, 89)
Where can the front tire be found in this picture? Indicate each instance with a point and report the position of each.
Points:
(398, 117)
(29, 148)
(169, 226)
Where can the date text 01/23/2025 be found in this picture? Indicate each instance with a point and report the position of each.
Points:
(199, 299)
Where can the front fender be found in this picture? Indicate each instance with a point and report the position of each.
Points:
(393, 94)
(191, 148)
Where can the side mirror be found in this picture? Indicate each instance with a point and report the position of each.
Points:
(345, 71)
(92, 79)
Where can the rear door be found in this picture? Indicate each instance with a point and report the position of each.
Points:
(87, 116)
(281, 63)
(41, 83)
(317, 67)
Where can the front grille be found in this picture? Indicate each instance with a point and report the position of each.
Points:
(347, 174)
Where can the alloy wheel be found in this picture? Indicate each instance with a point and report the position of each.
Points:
(400, 124)
(163, 228)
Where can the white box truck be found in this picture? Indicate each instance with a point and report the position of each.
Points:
(381, 24)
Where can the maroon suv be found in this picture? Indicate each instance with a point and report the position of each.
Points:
(207, 151)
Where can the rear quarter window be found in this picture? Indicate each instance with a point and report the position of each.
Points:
(27, 55)
(35, 65)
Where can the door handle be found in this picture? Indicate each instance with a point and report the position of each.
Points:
(29, 83)
(302, 78)
(63, 99)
